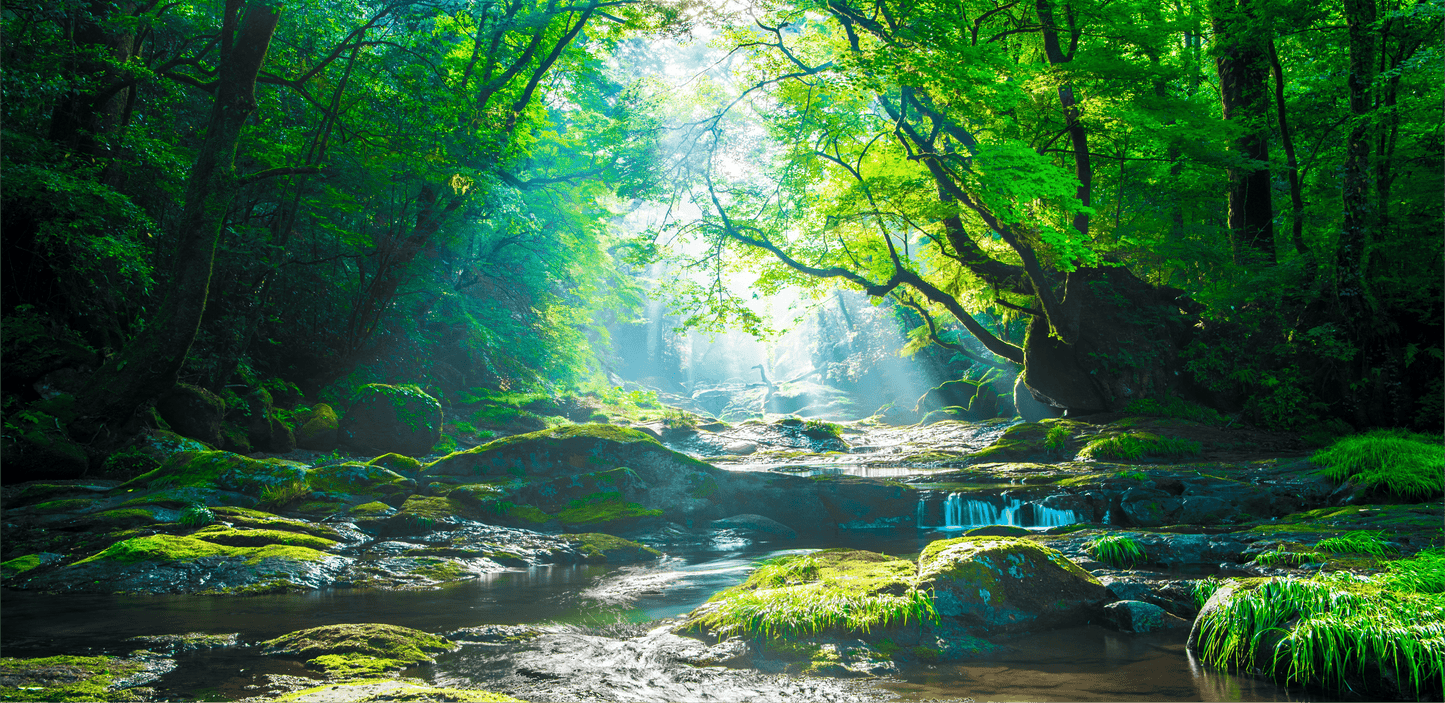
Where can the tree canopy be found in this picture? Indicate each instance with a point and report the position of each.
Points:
(1234, 202)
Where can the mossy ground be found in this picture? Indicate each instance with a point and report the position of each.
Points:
(233, 537)
(66, 678)
(603, 507)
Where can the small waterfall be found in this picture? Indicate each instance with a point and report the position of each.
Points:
(922, 512)
(961, 512)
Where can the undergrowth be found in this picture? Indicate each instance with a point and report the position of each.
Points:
(1397, 463)
(197, 515)
(1175, 407)
(1118, 551)
(1361, 542)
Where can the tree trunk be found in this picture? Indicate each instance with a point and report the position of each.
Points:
(1131, 335)
(1242, 68)
(148, 365)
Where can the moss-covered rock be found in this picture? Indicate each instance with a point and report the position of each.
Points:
(319, 429)
(835, 591)
(181, 564)
(357, 650)
(192, 411)
(354, 481)
(210, 471)
(69, 678)
(606, 549)
(397, 462)
(230, 536)
(1007, 584)
(384, 419)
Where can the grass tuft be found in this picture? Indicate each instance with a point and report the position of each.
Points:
(1118, 551)
(1400, 464)
(1338, 631)
(1361, 542)
(197, 515)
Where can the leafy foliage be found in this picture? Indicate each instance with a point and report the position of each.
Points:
(1118, 551)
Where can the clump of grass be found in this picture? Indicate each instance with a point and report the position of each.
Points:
(1284, 556)
(280, 494)
(1118, 551)
(1204, 589)
(197, 515)
(1360, 542)
(1056, 437)
(1400, 464)
(1140, 445)
(818, 429)
(1337, 631)
(1423, 573)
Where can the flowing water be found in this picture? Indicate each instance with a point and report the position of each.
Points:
(1077, 664)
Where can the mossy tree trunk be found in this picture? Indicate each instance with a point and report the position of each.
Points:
(149, 364)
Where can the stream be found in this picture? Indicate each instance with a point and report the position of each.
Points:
(1088, 663)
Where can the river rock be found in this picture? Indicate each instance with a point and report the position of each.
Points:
(319, 430)
(1149, 507)
(1007, 584)
(193, 412)
(384, 419)
(1138, 616)
(756, 524)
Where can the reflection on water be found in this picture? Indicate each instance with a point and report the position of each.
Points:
(1078, 664)
(1087, 664)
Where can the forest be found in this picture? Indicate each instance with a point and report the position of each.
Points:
(250, 245)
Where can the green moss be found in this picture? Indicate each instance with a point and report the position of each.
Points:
(930, 566)
(260, 519)
(612, 433)
(233, 537)
(925, 654)
(527, 513)
(68, 505)
(391, 643)
(599, 547)
(818, 429)
(66, 678)
(397, 463)
(372, 509)
(1175, 408)
(1388, 461)
(355, 478)
(441, 570)
(183, 549)
(19, 565)
(210, 470)
(603, 507)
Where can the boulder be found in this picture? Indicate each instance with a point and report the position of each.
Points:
(755, 524)
(553, 470)
(1030, 408)
(40, 451)
(1007, 584)
(193, 412)
(1138, 616)
(319, 429)
(385, 419)
(1149, 507)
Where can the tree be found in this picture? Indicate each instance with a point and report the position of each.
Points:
(150, 362)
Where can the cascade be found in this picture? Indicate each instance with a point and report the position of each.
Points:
(961, 512)
(922, 511)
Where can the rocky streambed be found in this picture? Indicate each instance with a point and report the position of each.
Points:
(577, 563)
